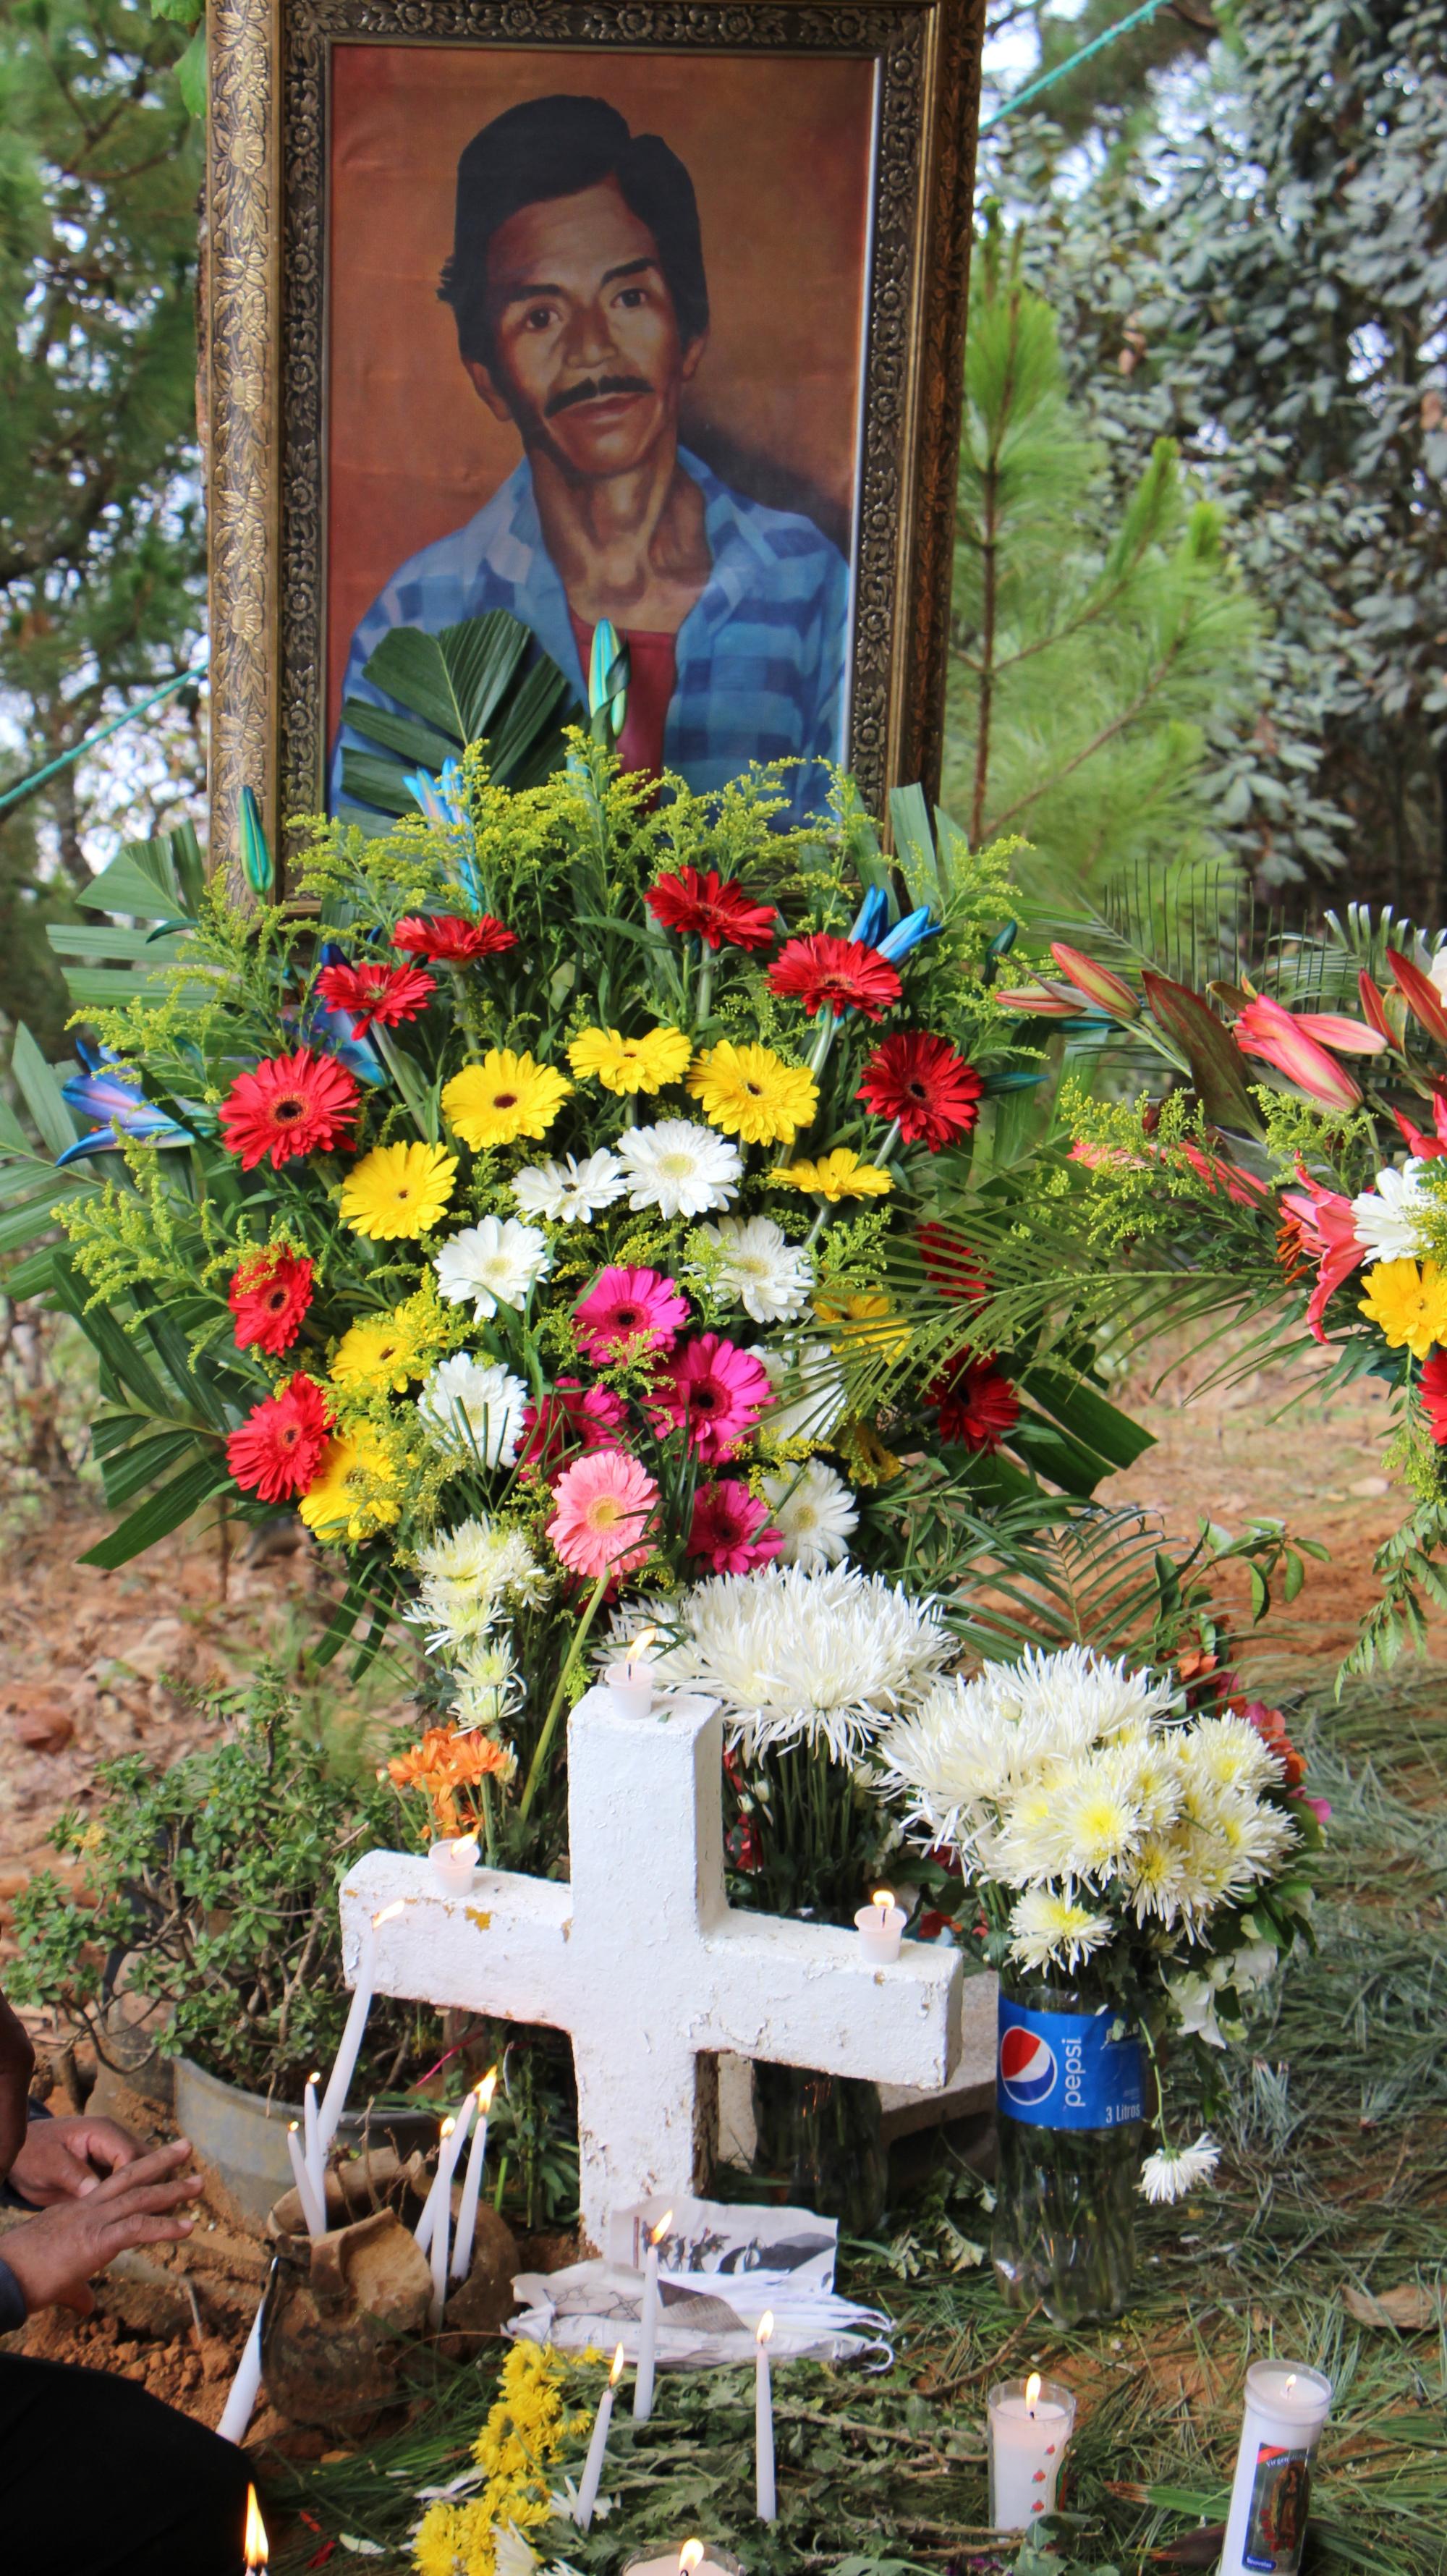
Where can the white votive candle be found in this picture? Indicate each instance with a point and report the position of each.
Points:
(593, 2465)
(881, 1928)
(1286, 2407)
(454, 1863)
(765, 2500)
(1030, 2423)
(648, 2323)
(630, 1679)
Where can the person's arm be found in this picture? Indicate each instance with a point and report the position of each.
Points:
(17, 2065)
(66, 2159)
(51, 2259)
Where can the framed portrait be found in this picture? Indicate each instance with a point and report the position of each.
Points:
(587, 311)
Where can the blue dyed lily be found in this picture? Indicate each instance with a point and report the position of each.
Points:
(871, 917)
(109, 1090)
(442, 802)
(907, 934)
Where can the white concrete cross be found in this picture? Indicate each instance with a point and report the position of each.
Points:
(641, 1959)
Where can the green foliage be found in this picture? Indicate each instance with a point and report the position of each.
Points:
(217, 1880)
(478, 682)
(1094, 643)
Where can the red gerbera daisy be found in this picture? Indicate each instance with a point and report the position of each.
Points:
(288, 1105)
(711, 907)
(729, 1528)
(827, 974)
(278, 1448)
(571, 1417)
(269, 1294)
(977, 1406)
(449, 939)
(926, 1085)
(951, 1265)
(1432, 1390)
(371, 992)
(714, 1391)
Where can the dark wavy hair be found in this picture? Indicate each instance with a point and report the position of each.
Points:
(553, 147)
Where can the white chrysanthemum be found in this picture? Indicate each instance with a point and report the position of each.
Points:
(1386, 1219)
(1229, 1751)
(511, 2555)
(493, 1263)
(679, 1168)
(1173, 2172)
(475, 1406)
(570, 1192)
(1085, 1697)
(1051, 1928)
(757, 1266)
(488, 1685)
(815, 1509)
(1097, 1820)
(1158, 1879)
(796, 1657)
(467, 1574)
(813, 1382)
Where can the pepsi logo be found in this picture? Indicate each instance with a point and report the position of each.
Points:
(1027, 2066)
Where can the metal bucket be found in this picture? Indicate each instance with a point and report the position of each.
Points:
(243, 2135)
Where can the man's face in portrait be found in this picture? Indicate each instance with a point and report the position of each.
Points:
(587, 359)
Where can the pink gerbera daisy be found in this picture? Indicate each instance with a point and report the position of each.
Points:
(730, 1528)
(570, 1417)
(605, 1503)
(715, 1392)
(623, 1308)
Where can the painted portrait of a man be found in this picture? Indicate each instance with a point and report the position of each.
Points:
(578, 286)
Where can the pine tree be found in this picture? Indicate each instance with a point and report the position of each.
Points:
(1092, 651)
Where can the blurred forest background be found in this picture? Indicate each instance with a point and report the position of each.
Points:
(1201, 601)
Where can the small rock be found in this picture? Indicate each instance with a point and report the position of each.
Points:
(47, 1729)
(1367, 1488)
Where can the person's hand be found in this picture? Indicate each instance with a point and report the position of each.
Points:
(68, 2159)
(17, 2065)
(54, 2256)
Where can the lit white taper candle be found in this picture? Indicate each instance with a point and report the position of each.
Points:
(314, 2217)
(255, 2546)
(765, 2501)
(237, 2412)
(339, 2082)
(648, 2323)
(315, 2152)
(449, 2148)
(593, 2465)
(472, 2184)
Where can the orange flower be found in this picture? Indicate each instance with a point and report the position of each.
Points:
(443, 1763)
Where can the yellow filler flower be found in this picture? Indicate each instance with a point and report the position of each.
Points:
(836, 1176)
(504, 1097)
(1409, 1304)
(398, 1191)
(350, 1495)
(630, 1064)
(750, 1092)
(378, 1352)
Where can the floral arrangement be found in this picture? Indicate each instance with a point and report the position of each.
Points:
(527, 2429)
(552, 1205)
(1152, 1858)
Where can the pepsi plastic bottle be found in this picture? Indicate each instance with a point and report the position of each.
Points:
(1070, 2111)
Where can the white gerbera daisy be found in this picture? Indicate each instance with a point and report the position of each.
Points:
(1173, 2172)
(1051, 1927)
(679, 1168)
(1387, 1218)
(757, 1266)
(474, 1406)
(570, 1192)
(815, 1509)
(796, 1657)
(493, 1263)
(812, 1382)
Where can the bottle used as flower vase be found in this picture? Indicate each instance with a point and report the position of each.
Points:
(823, 2133)
(1071, 2110)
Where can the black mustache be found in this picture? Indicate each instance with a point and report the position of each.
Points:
(594, 389)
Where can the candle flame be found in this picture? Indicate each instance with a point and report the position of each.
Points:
(315, 2076)
(466, 1847)
(293, 2125)
(446, 2130)
(255, 2542)
(616, 2373)
(485, 2091)
(389, 1913)
(1290, 2383)
(639, 1645)
(765, 2326)
(656, 2236)
(1032, 2390)
(883, 1897)
(689, 2557)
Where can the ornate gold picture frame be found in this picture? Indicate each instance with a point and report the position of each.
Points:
(286, 425)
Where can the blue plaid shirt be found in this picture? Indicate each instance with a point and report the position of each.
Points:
(762, 654)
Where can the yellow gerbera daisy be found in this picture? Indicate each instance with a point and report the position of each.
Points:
(398, 1190)
(350, 1495)
(865, 1456)
(504, 1097)
(630, 1064)
(378, 1352)
(836, 1176)
(866, 1322)
(1409, 1303)
(750, 1092)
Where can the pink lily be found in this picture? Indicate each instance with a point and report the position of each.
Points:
(1050, 1001)
(1324, 1220)
(1427, 1148)
(1105, 991)
(1349, 1037)
(1374, 1003)
(1218, 1174)
(1264, 1029)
